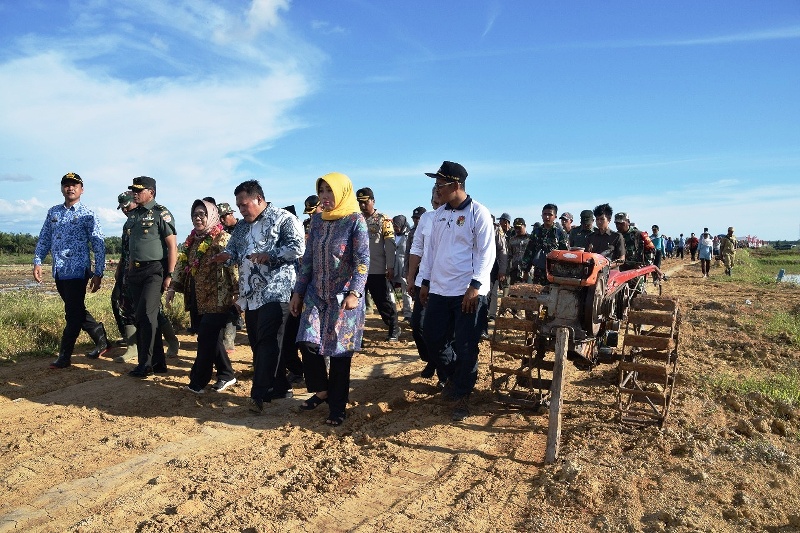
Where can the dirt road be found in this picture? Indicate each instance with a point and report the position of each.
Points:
(91, 449)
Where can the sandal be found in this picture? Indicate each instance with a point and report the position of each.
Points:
(335, 420)
(312, 403)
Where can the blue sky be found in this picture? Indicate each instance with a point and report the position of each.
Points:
(684, 114)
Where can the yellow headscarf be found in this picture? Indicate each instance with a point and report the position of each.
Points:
(344, 199)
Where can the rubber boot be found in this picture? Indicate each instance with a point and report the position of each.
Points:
(101, 346)
(132, 353)
(168, 332)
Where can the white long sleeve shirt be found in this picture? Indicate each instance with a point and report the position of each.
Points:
(422, 234)
(459, 249)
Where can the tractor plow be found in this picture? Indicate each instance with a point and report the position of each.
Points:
(582, 316)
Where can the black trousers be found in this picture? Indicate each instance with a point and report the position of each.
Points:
(73, 293)
(211, 351)
(417, 319)
(378, 286)
(265, 330)
(289, 351)
(318, 378)
(679, 252)
(144, 285)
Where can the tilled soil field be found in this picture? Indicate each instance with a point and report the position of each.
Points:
(91, 449)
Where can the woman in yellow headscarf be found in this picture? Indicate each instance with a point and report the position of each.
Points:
(329, 293)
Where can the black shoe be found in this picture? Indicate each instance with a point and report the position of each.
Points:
(461, 410)
(141, 371)
(293, 378)
(278, 395)
(63, 361)
(160, 369)
(485, 335)
(429, 371)
(394, 335)
(255, 405)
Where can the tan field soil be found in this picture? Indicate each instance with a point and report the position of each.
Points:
(91, 449)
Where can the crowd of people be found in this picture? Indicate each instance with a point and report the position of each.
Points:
(301, 287)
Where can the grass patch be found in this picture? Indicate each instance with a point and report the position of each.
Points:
(32, 320)
(776, 387)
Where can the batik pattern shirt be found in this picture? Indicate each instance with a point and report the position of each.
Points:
(336, 261)
(277, 233)
(67, 234)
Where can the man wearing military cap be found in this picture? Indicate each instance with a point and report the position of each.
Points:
(727, 248)
(382, 250)
(635, 249)
(311, 206)
(69, 230)
(153, 250)
(579, 235)
(226, 216)
(516, 250)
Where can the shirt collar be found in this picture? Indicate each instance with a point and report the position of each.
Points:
(608, 231)
(461, 206)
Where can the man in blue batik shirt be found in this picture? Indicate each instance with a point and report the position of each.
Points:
(68, 231)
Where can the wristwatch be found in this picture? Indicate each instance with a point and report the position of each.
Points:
(168, 275)
(356, 294)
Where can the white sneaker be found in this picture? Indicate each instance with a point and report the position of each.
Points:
(221, 384)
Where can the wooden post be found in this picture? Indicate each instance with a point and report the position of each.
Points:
(556, 400)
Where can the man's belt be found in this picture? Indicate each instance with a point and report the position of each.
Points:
(140, 264)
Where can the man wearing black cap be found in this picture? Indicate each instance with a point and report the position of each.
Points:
(382, 250)
(312, 205)
(68, 231)
(456, 270)
(579, 235)
(153, 249)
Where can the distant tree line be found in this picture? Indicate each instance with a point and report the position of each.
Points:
(25, 244)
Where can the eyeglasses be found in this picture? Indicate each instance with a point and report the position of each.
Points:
(438, 186)
(199, 214)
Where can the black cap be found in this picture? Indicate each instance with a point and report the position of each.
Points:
(519, 222)
(143, 182)
(418, 212)
(363, 194)
(450, 171)
(587, 215)
(311, 204)
(71, 177)
(124, 199)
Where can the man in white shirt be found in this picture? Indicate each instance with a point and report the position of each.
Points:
(455, 269)
(420, 245)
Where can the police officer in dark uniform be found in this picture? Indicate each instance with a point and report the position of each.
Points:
(153, 252)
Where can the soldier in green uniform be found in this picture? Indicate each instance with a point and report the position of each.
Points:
(153, 252)
(635, 252)
(579, 235)
(727, 247)
(544, 239)
(517, 244)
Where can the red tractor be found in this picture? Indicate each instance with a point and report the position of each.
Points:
(589, 314)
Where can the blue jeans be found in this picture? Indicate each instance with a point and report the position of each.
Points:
(445, 322)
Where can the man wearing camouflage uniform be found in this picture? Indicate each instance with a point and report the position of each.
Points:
(517, 244)
(727, 248)
(544, 239)
(635, 248)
